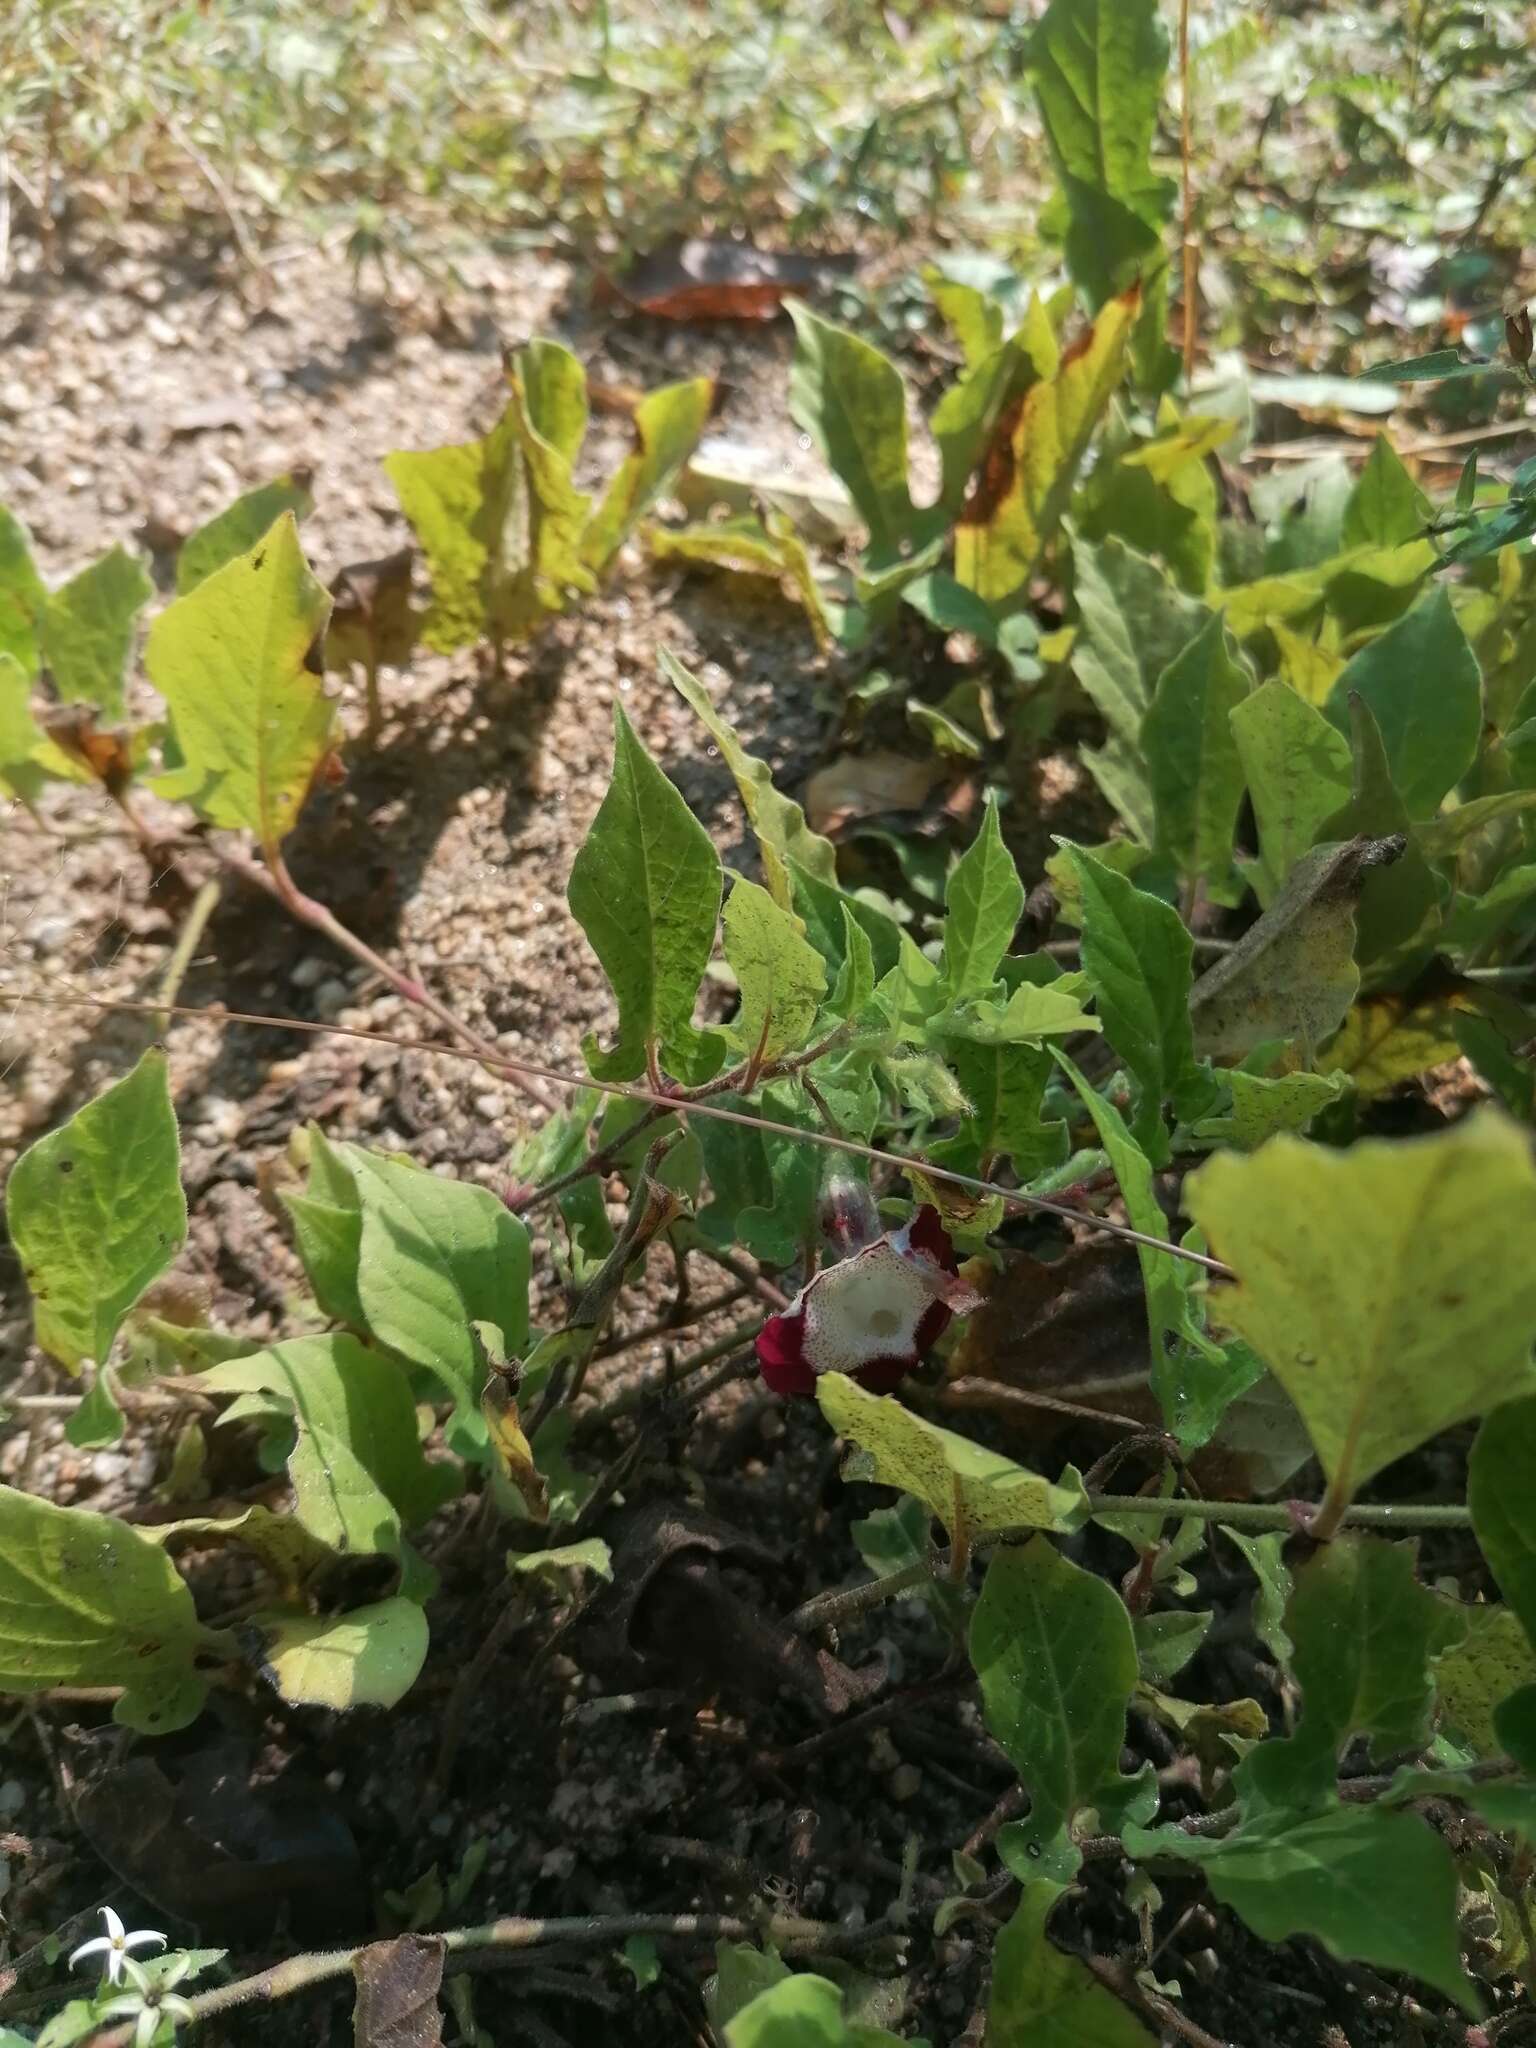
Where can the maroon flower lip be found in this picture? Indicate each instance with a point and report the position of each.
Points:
(873, 1315)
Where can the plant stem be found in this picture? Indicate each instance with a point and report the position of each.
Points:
(204, 903)
(1265, 1514)
(827, 1610)
(1187, 209)
(297, 1973)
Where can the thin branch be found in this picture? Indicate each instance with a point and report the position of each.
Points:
(298, 1973)
(524, 1070)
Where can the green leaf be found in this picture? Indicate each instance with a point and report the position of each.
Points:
(1421, 682)
(782, 979)
(973, 316)
(1384, 1286)
(1045, 1998)
(1194, 1380)
(1370, 1883)
(1493, 1659)
(28, 758)
(252, 723)
(741, 1972)
(86, 630)
(1365, 1632)
(1004, 1086)
(500, 519)
(1263, 1105)
(370, 1657)
(433, 1256)
(1292, 975)
(356, 1466)
(983, 904)
(590, 1555)
(764, 1186)
(1165, 1642)
(783, 837)
(666, 425)
(1398, 911)
(1386, 506)
(1433, 368)
(1265, 1552)
(1193, 764)
(802, 2011)
(823, 908)
(96, 1212)
(760, 547)
(1503, 1512)
(645, 888)
(237, 529)
(1297, 768)
(1098, 67)
(955, 1478)
(1137, 956)
(849, 398)
(1132, 624)
(1056, 1658)
(1031, 465)
(23, 596)
(86, 1600)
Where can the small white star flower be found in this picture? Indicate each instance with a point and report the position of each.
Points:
(148, 2004)
(115, 1945)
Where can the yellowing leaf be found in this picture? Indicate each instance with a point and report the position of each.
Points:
(667, 426)
(1028, 471)
(959, 1481)
(1493, 1659)
(251, 722)
(781, 976)
(1293, 974)
(1390, 1038)
(87, 1600)
(1307, 666)
(1387, 1287)
(500, 519)
(368, 1658)
(28, 758)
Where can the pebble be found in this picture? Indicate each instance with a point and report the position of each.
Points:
(309, 970)
(49, 933)
(331, 995)
(905, 1781)
(107, 1467)
(488, 1106)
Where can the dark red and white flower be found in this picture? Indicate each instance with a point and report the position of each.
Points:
(874, 1313)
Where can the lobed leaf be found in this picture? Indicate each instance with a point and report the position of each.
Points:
(86, 630)
(1046, 1998)
(781, 977)
(1193, 765)
(369, 1657)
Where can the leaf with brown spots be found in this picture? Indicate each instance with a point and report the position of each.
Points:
(1032, 460)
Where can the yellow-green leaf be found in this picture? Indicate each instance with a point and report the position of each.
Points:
(87, 1600)
(252, 722)
(96, 1212)
(667, 426)
(236, 530)
(368, 1658)
(87, 630)
(958, 1480)
(1047, 1999)
(782, 977)
(1028, 471)
(1387, 1287)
